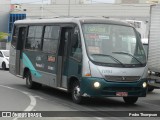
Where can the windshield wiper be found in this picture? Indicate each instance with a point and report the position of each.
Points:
(128, 55)
(116, 60)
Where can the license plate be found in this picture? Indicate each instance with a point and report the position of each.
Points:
(122, 94)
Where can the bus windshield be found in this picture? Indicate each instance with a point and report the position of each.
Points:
(113, 45)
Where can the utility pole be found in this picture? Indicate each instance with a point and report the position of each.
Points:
(68, 7)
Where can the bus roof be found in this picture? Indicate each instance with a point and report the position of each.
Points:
(71, 20)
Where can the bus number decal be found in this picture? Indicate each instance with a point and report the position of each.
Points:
(106, 71)
(51, 58)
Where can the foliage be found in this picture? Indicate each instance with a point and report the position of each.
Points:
(3, 35)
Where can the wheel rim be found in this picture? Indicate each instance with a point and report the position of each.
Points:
(76, 92)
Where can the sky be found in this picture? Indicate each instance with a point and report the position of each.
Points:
(47, 1)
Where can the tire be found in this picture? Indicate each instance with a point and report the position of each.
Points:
(31, 84)
(130, 100)
(150, 89)
(76, 96)
(3, 66)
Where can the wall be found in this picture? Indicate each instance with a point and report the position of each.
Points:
(128, 11)
(4, 13)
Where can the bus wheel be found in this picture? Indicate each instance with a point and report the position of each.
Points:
(150, 89)
(29, 83)
(76, 96)
(130, 100)
(3, 66)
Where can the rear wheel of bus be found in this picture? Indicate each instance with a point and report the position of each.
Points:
(76, 96)
(130, 100)
(31, 84)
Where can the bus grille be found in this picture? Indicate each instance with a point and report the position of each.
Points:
(122, 78)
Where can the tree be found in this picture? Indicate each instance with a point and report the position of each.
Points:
(3, 35)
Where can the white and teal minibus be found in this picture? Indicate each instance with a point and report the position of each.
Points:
(88, 57)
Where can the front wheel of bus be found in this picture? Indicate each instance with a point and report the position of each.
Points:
(130, 100)
(76, 96)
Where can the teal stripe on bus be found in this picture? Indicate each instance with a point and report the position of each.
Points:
(29, 64)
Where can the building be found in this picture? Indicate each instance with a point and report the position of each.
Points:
(121, 11)
(102, 1)
(136, 1)
(66, 1)
(16, 13)
(4, 12)
(8, 14)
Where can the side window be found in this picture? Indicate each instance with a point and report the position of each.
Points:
(1, 55)
(14, 37)
(21, 37)
(34, 37)
(51, 36)
(76, 50)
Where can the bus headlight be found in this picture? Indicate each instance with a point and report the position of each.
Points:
(96, 84)
(144, 85)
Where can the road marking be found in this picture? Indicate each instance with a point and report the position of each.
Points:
(32, 99)
(99, 118)
(150, 104)
(41, 98)
(32, 103)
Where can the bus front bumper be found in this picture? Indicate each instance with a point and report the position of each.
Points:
(112, 89)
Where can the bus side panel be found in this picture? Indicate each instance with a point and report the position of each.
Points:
(46, 79)
(74, 68)
(12, 61)
(41, 65)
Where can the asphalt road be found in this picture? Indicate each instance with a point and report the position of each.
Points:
(15, 96)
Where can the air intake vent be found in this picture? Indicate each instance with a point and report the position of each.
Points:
(122, 78)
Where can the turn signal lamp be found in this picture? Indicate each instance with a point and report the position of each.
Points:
(88, 75)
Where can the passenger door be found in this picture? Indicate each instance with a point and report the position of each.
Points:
(17, 44)
(62, 61)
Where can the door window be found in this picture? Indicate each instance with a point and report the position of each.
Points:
(50, 41)
(14, 37)
(76, 50)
